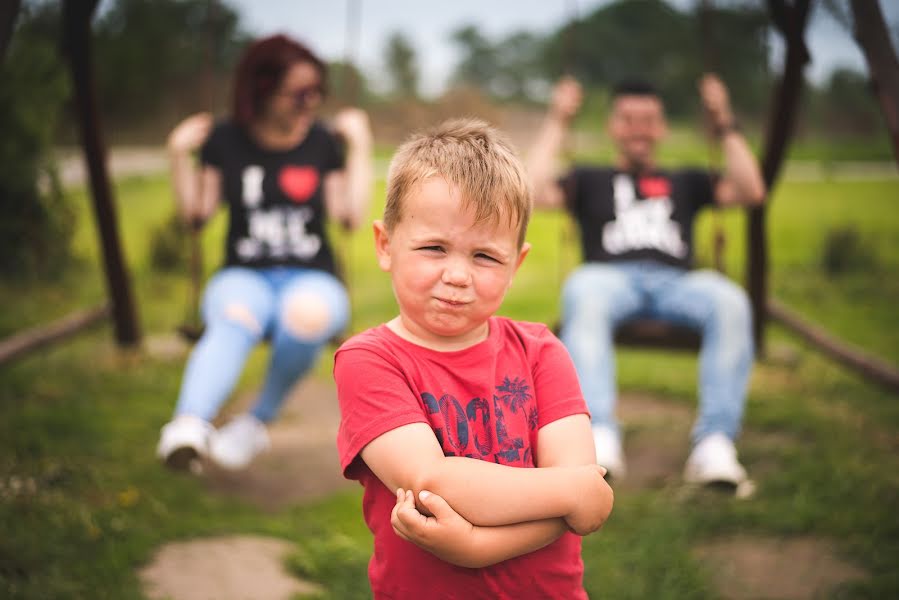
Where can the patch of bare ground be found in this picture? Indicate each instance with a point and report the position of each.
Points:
(762, 568)
(222, 568)
(302, 464)
(656, 439)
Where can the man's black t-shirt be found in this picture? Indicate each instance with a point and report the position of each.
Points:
(622, 216)
(275, 199)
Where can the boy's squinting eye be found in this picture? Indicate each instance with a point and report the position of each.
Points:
(432, 248)
(487, 257)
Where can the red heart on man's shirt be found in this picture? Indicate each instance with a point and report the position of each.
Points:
(298, 183)
(653, 187)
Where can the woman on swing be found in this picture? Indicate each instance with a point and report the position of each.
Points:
(281, 173)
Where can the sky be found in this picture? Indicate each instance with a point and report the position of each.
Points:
(427, 25)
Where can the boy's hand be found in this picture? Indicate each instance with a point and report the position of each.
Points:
(594, 501)
(446, 534)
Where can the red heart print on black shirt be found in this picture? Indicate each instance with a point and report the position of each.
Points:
(654, 187)
(298, 183)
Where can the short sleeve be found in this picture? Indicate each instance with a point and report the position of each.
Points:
(701, 186)
(569, 183)
(556, 384)
(374, 397)
(333, 152)
(212, 150)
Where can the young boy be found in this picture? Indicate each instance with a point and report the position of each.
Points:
(443, 406)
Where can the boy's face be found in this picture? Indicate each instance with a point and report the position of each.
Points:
(449, 274)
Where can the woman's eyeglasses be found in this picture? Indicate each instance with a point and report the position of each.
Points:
(303, 95)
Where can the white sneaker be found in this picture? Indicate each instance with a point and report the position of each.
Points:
(608, 451)
(714, 460)
(235, 445)
(183, 441)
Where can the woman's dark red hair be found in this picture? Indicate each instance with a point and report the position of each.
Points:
(260, 71)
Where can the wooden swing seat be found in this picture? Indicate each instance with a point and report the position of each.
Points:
(652, 333)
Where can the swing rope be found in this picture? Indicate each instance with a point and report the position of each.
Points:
(706, 42)
(350, 92)
(192, 328)
(566, 229)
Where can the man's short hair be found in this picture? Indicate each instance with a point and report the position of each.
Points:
(471, 156)
(634, 87)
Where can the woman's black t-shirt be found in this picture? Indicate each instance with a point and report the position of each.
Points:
(275, 198)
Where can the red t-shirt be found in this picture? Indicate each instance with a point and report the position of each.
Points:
(488, 402)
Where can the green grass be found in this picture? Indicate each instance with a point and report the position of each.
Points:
(83, 503)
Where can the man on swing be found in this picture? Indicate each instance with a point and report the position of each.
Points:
(636, 229)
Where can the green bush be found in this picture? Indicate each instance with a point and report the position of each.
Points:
(38, 222)
(846, 251)
(168, 251)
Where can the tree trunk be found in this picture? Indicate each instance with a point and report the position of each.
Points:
(872, 36)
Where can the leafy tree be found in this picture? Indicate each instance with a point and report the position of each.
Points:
(37, 224)
(652, 40)
(518, 60)
(845, 105)
(146, 51)
(401, 65)
(478, 65)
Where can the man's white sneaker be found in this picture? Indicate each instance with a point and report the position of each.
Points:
(608, 451)
(235, 445)
(714, 460)
(183, 441)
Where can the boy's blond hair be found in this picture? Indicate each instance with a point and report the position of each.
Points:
(474, 158)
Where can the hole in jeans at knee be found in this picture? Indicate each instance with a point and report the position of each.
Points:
(240, 314)
(306, 316)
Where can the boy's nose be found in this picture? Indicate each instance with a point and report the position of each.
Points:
(456, 273)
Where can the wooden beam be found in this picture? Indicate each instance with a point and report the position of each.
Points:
(869, 366)
(871, 33)
(791, 20)
(77, 17)
(19, 344)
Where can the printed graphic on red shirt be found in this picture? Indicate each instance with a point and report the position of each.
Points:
(491, 429)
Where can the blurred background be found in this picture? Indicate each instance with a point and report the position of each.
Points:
(83, 504)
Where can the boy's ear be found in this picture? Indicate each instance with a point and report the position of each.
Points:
(525, 248)
(382, 245)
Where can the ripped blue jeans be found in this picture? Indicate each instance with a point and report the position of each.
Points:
(599, 296)
(242, 307)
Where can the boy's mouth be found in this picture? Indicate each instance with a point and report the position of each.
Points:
(451, 301)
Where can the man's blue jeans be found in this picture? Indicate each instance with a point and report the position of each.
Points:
(218, 358)
(599, 296)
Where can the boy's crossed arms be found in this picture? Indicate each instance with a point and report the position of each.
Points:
(474, 513)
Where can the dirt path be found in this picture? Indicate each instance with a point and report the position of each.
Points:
(303, 466)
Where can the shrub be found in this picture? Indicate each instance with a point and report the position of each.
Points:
(846, 251)
(38, 222)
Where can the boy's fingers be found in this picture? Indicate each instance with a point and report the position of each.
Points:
(436, 505)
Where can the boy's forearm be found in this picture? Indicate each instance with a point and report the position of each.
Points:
(488, 494)
(490, 545)
(496, 544)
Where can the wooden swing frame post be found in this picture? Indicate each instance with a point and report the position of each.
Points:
(77, 17)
